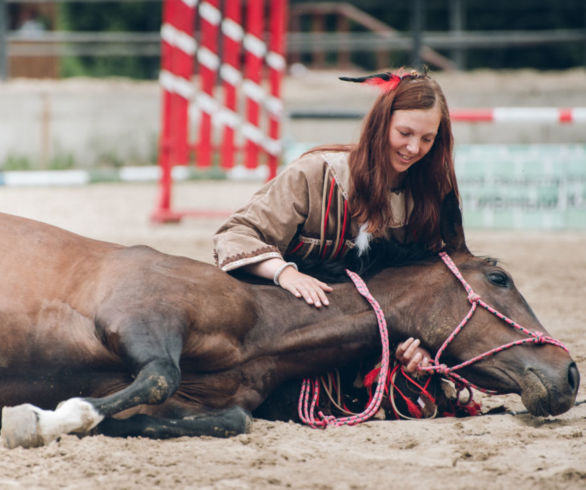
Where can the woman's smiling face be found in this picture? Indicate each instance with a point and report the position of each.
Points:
(412, 135)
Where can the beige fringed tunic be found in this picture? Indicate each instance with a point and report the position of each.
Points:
(301, 214)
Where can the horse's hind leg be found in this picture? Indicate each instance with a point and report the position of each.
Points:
(151, 349)
(222, 423)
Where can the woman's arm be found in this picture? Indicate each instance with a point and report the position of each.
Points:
(257, 236)
(264, 228)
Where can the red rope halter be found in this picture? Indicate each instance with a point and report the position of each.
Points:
(307, 411)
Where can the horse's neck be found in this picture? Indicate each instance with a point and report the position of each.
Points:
(317, 340)
(422, 300)
(289, 328)
(409, 297)
(405, 294)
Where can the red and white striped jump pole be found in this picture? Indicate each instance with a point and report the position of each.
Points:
(209, 63)
(179, 106)
(178, 48)
(255, 51)
(233, 33)
(276, 63)
(520, 114)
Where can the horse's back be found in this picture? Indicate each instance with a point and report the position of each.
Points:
(42, 260)
(22, 231)
(75, 290)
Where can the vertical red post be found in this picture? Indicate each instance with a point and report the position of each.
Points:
(183, 64)
(209, 63)
(231, 76)
(177, 52)
(255, 51)
(165, 135)
(277, 64)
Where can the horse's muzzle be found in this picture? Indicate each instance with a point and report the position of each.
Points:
(550, 393)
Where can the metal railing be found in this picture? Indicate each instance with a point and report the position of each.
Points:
(377, 39)
(61, 43)
(301, 42)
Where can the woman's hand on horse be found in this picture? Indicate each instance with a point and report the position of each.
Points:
(312, 290)
(412, 356)
(301, 285)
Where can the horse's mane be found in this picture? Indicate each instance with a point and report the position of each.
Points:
(381, 254)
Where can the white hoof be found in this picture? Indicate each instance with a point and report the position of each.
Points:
(30, 426)
(20, 427)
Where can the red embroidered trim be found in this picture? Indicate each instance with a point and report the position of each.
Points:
(328, 214)
(343, 233)
(297, 247)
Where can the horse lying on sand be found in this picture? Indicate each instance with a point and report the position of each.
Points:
(128, 341)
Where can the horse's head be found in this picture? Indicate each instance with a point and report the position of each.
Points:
(499, 344)
(485, 333)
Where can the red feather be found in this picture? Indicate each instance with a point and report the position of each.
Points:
(384, 81)
(384, 85)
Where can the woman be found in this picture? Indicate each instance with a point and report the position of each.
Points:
(333, 199)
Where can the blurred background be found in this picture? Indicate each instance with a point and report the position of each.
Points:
(104, 38)
(80, 91)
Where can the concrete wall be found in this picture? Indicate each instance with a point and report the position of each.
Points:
(94, 123)
(90, 122)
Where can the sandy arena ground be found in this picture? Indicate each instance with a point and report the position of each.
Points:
(489, 452)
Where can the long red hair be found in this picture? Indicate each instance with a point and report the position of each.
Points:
(426, 182)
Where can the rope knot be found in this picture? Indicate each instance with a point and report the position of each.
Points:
(540, 338)
(328, 419)
(473, 297)
(442, 369)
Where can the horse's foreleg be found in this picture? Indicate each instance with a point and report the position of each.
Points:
(154, 383)
(155, 361)
(29, 426)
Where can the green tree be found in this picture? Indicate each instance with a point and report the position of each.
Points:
(114, 17)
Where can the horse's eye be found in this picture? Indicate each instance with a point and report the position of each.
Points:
(498, 278)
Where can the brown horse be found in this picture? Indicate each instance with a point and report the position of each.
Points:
(141, 343)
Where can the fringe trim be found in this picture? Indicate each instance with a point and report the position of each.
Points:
(258, 255)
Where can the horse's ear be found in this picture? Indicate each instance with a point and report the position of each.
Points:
(451, 227)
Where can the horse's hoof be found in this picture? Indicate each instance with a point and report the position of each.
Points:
(20, 427)
(238, 421)
(246, 421)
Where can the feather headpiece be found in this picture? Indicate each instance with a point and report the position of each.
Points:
(386, 81)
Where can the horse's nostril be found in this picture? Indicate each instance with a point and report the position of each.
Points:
(573, 377)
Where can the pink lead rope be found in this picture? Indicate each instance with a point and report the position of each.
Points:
(307, 410)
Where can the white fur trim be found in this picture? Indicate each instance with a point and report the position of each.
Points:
(362, 240)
